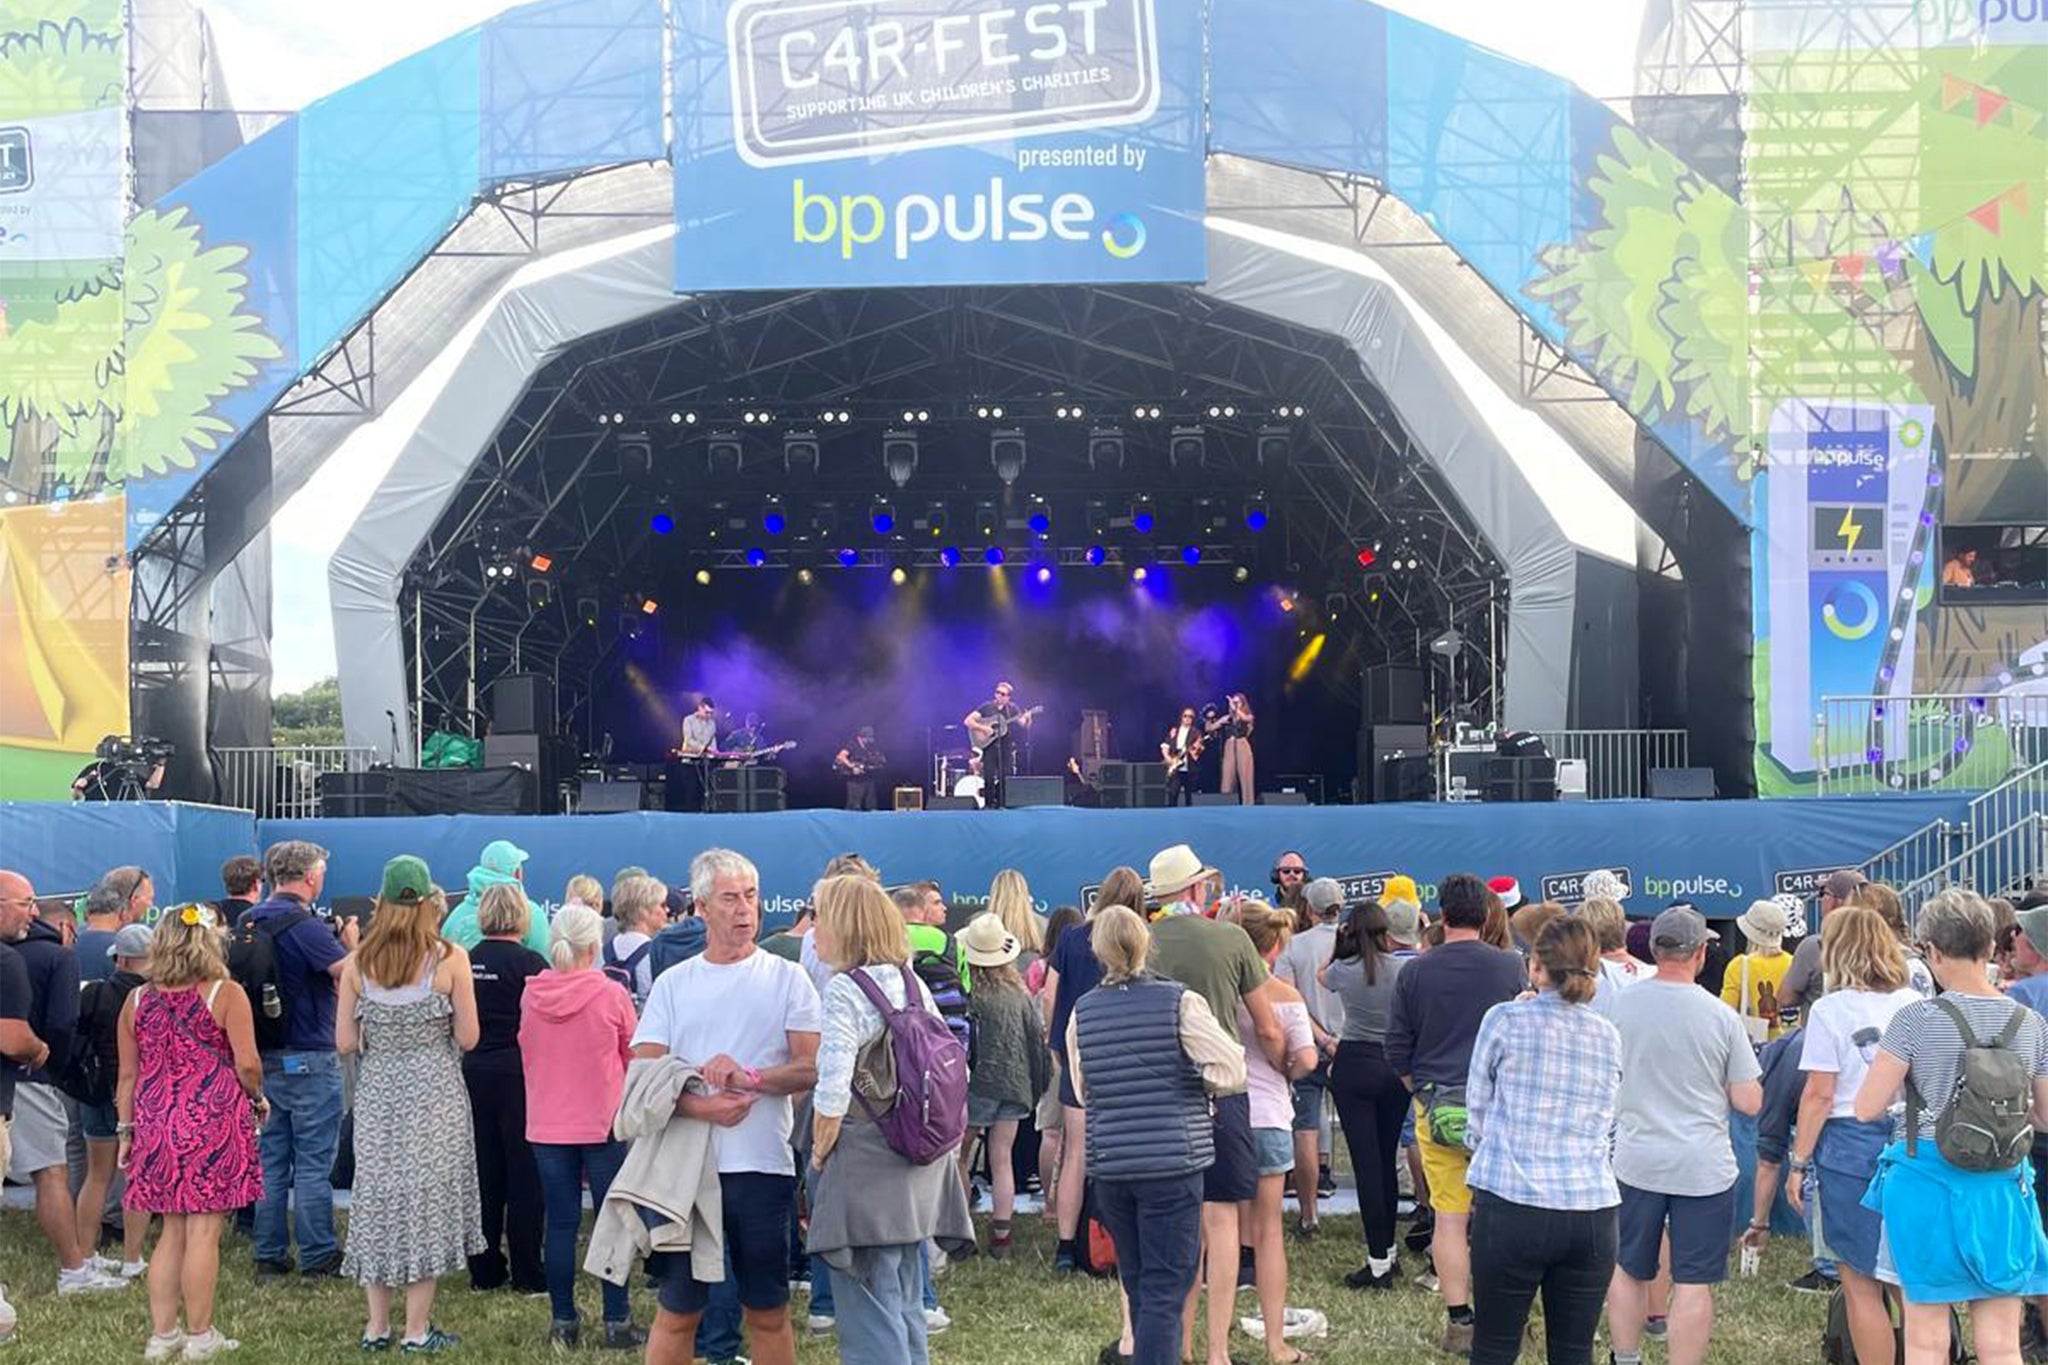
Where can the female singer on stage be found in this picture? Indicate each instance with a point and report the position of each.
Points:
(1238, 723)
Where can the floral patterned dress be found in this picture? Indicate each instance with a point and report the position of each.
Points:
(194, 1147)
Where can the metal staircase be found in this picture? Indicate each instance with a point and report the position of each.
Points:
(2000, 845)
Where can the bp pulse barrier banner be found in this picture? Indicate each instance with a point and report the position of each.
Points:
(862, 143)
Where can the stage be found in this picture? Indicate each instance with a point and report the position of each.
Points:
(1718, 854)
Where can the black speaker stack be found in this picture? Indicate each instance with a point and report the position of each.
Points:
(1133, 786)
(749, 789)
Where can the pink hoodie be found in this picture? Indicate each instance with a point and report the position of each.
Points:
(575, 1038)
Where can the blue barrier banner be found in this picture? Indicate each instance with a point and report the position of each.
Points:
(1719, 855)
(856, 143)
(63, 849)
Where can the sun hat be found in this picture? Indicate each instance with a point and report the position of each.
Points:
(406, 881)
(1763, 922)
(987, 943)
(1174, 870)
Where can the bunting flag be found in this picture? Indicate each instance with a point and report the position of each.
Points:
(1989, 104)
(1817, 274)
(1987, 215)
(1922, 247)
(2025, 118)
(1954, 90)
(1891, 260)
(1852, 267)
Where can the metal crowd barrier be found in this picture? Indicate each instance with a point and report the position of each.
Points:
(1927, 742)
(283, 783)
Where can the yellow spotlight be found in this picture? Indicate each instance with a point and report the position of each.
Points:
(1243, 575)
(804, 576)
(703, 578)
(898, 577)
(1306, 660)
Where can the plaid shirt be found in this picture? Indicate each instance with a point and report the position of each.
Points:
(1541, 1094)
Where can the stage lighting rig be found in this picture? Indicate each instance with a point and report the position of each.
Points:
(1105, 449)
(987, 521)
(1070, 412)
(1222, 412)
(1142, 518)
(883, 518)
(1147, 412)
(916, 416)
(1258, 514)
(1187, 446)
(1290, 412)
(988, 413)
(935, 520)
(757, 558)
(899, 456)
(835, 417)
(1274, 444)
(703, 578)
(1097, 556)
(1368, 555)
(773, 519)
(682, 418)
(1039, 519)
(1006, 452)
(723, 451)
(800, 452)
(824, 520)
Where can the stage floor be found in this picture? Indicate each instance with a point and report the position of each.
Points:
(1720, 855)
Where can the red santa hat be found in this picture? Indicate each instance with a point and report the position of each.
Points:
(1508, 889)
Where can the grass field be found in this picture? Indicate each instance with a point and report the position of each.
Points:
(1004, 1314)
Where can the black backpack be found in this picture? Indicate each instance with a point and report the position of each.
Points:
(252, 962)
(626, 970)
(1837, 1347)
(87, 1075)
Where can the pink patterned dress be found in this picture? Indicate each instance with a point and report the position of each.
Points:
(194, 1149)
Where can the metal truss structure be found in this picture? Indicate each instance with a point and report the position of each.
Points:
(1115, 399)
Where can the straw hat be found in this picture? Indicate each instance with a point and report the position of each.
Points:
(987, 943)
(1763, 922)
(1174, 870)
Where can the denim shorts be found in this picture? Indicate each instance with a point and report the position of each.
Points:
(757, 1211)
(983, 1110)
(98, 1121)
(1234, 1177)
(1699, 1227)
(1308, 1099)
(1275, 1150)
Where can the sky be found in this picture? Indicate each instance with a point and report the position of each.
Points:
(283, 54)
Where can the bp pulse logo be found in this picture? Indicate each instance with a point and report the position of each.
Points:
(855, 224)
(17, 170)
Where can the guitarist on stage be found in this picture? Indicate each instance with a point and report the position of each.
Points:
(990, 726)
(858, 762)
(1182, 749)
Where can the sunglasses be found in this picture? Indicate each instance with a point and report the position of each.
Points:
(1290, 872)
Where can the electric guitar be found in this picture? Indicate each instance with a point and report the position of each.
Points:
(987, 732)
(1188, 756)
(852, 767)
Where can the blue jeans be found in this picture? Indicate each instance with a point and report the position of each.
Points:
(881, 1318)
(821, 1282)
(297, 1148)
(563, 1169)
(1157, 1228)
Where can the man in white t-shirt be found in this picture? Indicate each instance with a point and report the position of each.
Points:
(748, 1021)
(1685, 1062)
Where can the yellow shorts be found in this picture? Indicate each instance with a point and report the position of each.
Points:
(1445, 1169)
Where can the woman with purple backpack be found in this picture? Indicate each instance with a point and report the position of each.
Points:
(874, 1206)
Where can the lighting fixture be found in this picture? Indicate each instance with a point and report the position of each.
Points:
(1006, 452)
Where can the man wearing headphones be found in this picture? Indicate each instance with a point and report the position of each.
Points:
(1290, 875)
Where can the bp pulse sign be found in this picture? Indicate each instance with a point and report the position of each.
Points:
(858, 143)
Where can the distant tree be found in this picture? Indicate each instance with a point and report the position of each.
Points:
(309, 717)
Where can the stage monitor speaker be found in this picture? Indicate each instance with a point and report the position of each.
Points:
(909, 798)
(951, 803)
(1022, 792)
(749, 790)
(1396, 694)
(1216, 799)
(1378, 744)
(1115, 784)
(610, 798)
(347, 796)
(1410, 777)
(1520, 779)
(1682, 784)
(536, 755)
(1308, 785)
(523, 704)
(1148, 786)
(1283, 798)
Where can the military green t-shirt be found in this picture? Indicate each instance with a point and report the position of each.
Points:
(1213, 958)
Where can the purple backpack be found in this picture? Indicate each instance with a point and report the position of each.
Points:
(929, 1116)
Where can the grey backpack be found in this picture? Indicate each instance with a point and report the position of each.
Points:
(1985, 1126)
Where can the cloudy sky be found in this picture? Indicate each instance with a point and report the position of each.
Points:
(283, 54)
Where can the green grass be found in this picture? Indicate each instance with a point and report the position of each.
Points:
(1004, 1314)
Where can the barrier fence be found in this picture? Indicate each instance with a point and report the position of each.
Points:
(283, 783)
(1945, 741)
(1618, 763)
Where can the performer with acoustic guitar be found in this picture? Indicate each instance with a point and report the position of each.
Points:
(1182, 749)
(989, 726)
(858, 762)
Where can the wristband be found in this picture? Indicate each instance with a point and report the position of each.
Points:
(753, 1077)
(1759, 1227)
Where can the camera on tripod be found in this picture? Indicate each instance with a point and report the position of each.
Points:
(128, 768)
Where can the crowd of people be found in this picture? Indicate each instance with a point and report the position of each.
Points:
(1552, 1098)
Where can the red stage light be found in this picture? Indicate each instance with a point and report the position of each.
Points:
(650, 606)
(541, 563)
(1368, 557)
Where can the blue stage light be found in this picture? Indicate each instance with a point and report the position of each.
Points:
(1040, 523)
(950, 557)
(1142, 523)
(756, 557)
(994, 556)
(774, 523)
(1255, 519)
(1192, 555)
(663, 523)
(884, 523)
(1097, 556)
(848, 558)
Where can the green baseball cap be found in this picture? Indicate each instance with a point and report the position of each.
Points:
(406, 881)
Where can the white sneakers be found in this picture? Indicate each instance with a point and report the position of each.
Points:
(936, 1321)
(7, 1318)
(168, 1346)
(818, 1324)
(107, 1265)
(209, 1344)
(88, 1279)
